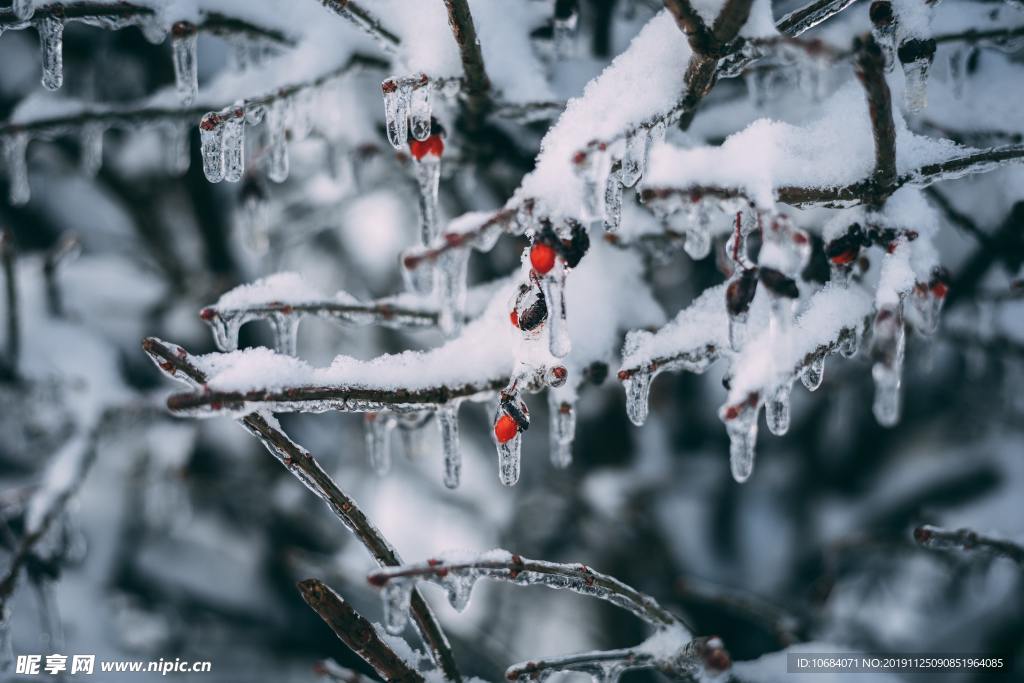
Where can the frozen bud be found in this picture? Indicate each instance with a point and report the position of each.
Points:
(845, 249)
(939, 283)
(881, 13)
(556, 376)
(916, 49)
(530, 310)
(778, 283)
(740, 292)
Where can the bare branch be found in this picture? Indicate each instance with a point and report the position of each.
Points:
(177, 364)
(516, 569)
(12, 348)
(774, 618)
(481, 238)
(938, 538)
(67, 248)
(701, 38)
(809, 16)
(364, 19)
(478, 85)
(356, 632)
(869, 65)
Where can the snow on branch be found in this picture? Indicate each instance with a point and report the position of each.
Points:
(671, 648)
(364, 19)
(970, 540)
(177, 364)
(356, 632)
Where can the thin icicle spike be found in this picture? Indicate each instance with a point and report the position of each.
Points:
(211, 140)
(186, 71)
(378, 428)
(428, 178)
(177, 148)
(91, 148)
(51, 42)
(286, 332)
(510, 459)
(396, 596)
(448, 422)
(888, 348)
(814, 373)
(915, 90)
(277, 154)
(451, 288)
(635, 158)
(397, 95)
(777, 410)
(638, 390)
(741, 425)
(420, 110)
(562, 414)
(234, 145)
(559, 342)
(16, 162)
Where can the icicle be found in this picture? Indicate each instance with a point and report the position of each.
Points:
(915, 91)
(23, 9)
(396, 595)
(928, 300)
(698, 235)
(459, 586)
(448, 420)
(186, 73)
(396, 111)
(586, 166)
(234, 145)
(635, 158)
(15, 151)
(225, 332)
(509, 459)
(559, 342)
(277, 155)
(889, 342)
(813, 373)
(613, 199)
(849, 343)
(411, 431)
(418, 278)
(378, 428)
(286, 332)
(420, 110)
(92, 148)
(450, 289)
(255, 217)
(741, 425)
(777, 409)
(51, 40)
(638, 391)
(211, 140)
(562, 414)
(428, 177)
(177, 148)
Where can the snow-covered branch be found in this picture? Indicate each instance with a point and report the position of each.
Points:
(970, 540)
(869, 65)
(355, 631)
(177, 364)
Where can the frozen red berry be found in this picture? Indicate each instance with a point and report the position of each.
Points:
(542, 258)
(505, 429)
(939, 289)
(514, 318)
(421, 148)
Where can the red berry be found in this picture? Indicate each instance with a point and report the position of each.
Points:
(514, 318)
(421, 148)
(939, 289)
(845, 257)
(505, 429)
(542, 257)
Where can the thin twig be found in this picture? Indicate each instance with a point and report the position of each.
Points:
(364, 19)
(12, 348)
(938, 538)
(356, 632)
(869, 65)
(177, 364)
(478, 85)
(67, 247)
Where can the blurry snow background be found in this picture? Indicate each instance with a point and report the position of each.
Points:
(186, 539)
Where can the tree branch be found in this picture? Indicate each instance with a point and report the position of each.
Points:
(809, 16)
(478, 85)
(12, 347)
(364, 19)
(177, 364)
(869, 65)
(938, 538)
(701, 38)
(356, 632)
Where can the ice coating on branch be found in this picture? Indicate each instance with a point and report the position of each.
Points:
(396, 596)
(234, 148)
(832, 150)
(277, 128)
(186, 65)
(397, 100)
(613, 200)
(51, 43)
(15, 148)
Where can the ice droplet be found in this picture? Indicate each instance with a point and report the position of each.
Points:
(563, 430)
(889, 347)
(459, 586)
(613, 199)
(849, 343)
(777, 410)
(742, 430)
(51, 41)
(420, 110)
(428, 177)
(638, 390)
(635, 158)
(186, 73)
(177, 148)
(234, 145)
(396, 111)
(91, 158)
(23, 9)
(286, 332)
(448, 421)
(450, 288)
(15, 158)
(558, 329)
(277, 154)
(916, 89)
(378, 428)
(396, 596)
(813, 373)
(211, 141)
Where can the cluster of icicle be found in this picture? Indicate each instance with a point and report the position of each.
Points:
(784, 254)
(902, 39)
